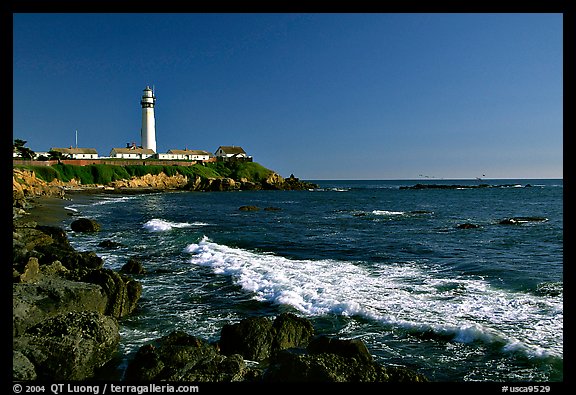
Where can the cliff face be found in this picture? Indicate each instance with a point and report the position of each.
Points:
(26, 185)
(159, 181)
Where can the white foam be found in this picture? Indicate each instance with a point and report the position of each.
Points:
(386, 212)
(160, 225)
(405, 295)
(71, 208)
(115, 199)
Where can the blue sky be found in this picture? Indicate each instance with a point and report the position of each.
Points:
(322, 96)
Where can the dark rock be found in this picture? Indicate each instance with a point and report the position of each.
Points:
(182, 357)
(521, 220)
(467, 225)
(133, 266)
(27, 239)
(22, 368)
(109, 244)
(294, 184)
(213, 184)
(257, 338)
(291, 331)
(282, 346)
(70, 346)
(349, 348)
(122, 291)
(249, 208)
(146, 365)
(56, 233)
(85, 225)
(34, 302)
(49, 244)
(295, 365)
(70, 258)
(252, 338)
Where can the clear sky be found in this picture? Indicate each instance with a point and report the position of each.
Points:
(322, 96)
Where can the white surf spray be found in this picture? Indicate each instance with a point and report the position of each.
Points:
(406, 295)
(160, 225)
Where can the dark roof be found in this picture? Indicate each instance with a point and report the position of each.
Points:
(231, 149)
(75, 150)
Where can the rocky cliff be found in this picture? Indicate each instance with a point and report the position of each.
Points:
(65, 306)
(25, 184)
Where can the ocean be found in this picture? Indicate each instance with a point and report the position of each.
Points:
(361, 259)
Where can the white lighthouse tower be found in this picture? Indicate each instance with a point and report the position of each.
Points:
(148, 131)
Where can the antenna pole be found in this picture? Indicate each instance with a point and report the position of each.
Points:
(76, 138)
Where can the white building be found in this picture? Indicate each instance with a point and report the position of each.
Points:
(231, 152)
(148, 131)
(185, 154)
(77, 153)
(131, 153)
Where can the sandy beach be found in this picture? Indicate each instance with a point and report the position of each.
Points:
(48, 211)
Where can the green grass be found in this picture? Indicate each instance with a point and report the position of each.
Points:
(104, 174)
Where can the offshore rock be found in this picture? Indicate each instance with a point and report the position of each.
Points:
(249, 208)
(85, 225)
(521, 220)
(133, 266)
(467, 225)
(69, 346)
(276, 182)
(109, 244)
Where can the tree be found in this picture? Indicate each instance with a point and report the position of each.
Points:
(55, 155)
(25, 152)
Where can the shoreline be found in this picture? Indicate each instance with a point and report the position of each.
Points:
(46, 210)
(51, 210)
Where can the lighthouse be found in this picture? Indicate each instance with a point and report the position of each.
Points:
(148, 131)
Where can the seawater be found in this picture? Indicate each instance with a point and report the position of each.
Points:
(360, 259)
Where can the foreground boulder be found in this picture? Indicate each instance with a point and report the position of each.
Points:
(259, 349)
(70, 346)
(182, 357)
(64, 306)
(33, 303)
(257, 338)
(295, 365)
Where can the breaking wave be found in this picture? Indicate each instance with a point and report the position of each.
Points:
(406, 295)
(160, 225)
